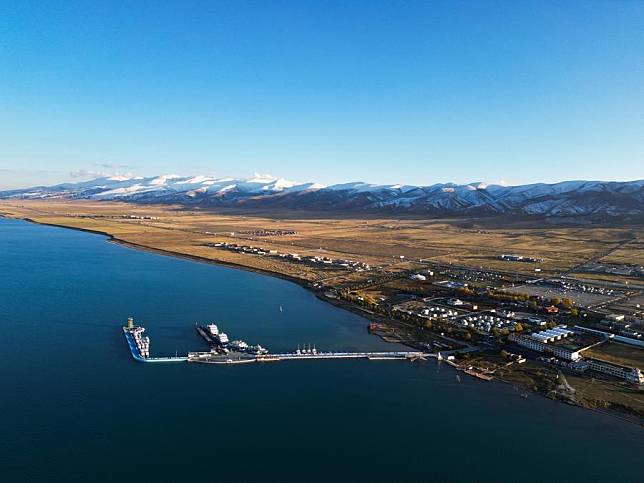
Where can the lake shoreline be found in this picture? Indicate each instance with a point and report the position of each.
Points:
(137, 246)
(195, 258)
(338, 303)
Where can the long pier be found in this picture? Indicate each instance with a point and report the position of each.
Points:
(231, 357)
(240, 358)
(294, 356)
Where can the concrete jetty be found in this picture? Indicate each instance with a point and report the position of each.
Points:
(221, 355)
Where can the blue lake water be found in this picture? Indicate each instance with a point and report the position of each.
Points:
(74, 406)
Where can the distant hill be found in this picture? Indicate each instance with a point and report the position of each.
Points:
(566, 199)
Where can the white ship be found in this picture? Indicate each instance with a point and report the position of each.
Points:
(238, 345)
(304, 350)
(257, 349)
(222, 337)
(142, 343)
(221, 344)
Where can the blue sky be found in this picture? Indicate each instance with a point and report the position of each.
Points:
(385, 92)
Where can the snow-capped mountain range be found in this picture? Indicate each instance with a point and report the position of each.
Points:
(568, 198)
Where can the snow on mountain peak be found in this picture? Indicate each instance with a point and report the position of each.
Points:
(261, 178)
(162, 180)
(569, 198)
(228, 187)
(198, 180)
(281, 184)
(120, 177)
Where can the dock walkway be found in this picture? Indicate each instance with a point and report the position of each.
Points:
(237, 358)
(342, 355)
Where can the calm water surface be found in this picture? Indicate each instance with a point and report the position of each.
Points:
(74, 406)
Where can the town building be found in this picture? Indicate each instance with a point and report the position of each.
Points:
(542, 345)
(610, 335)
(630, 374)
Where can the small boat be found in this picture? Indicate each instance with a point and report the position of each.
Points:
(281, 309)
(524, 395)
(458, 378)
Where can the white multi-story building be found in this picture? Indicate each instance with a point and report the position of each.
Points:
(540, 346)
(631, 374)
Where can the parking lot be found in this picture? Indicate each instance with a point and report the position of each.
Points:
(581, 295)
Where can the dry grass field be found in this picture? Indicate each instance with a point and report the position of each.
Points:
(616, 353)
(631, 253)
(377, 241)
(599, 393)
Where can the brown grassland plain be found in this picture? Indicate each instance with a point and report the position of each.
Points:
(379, 241)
